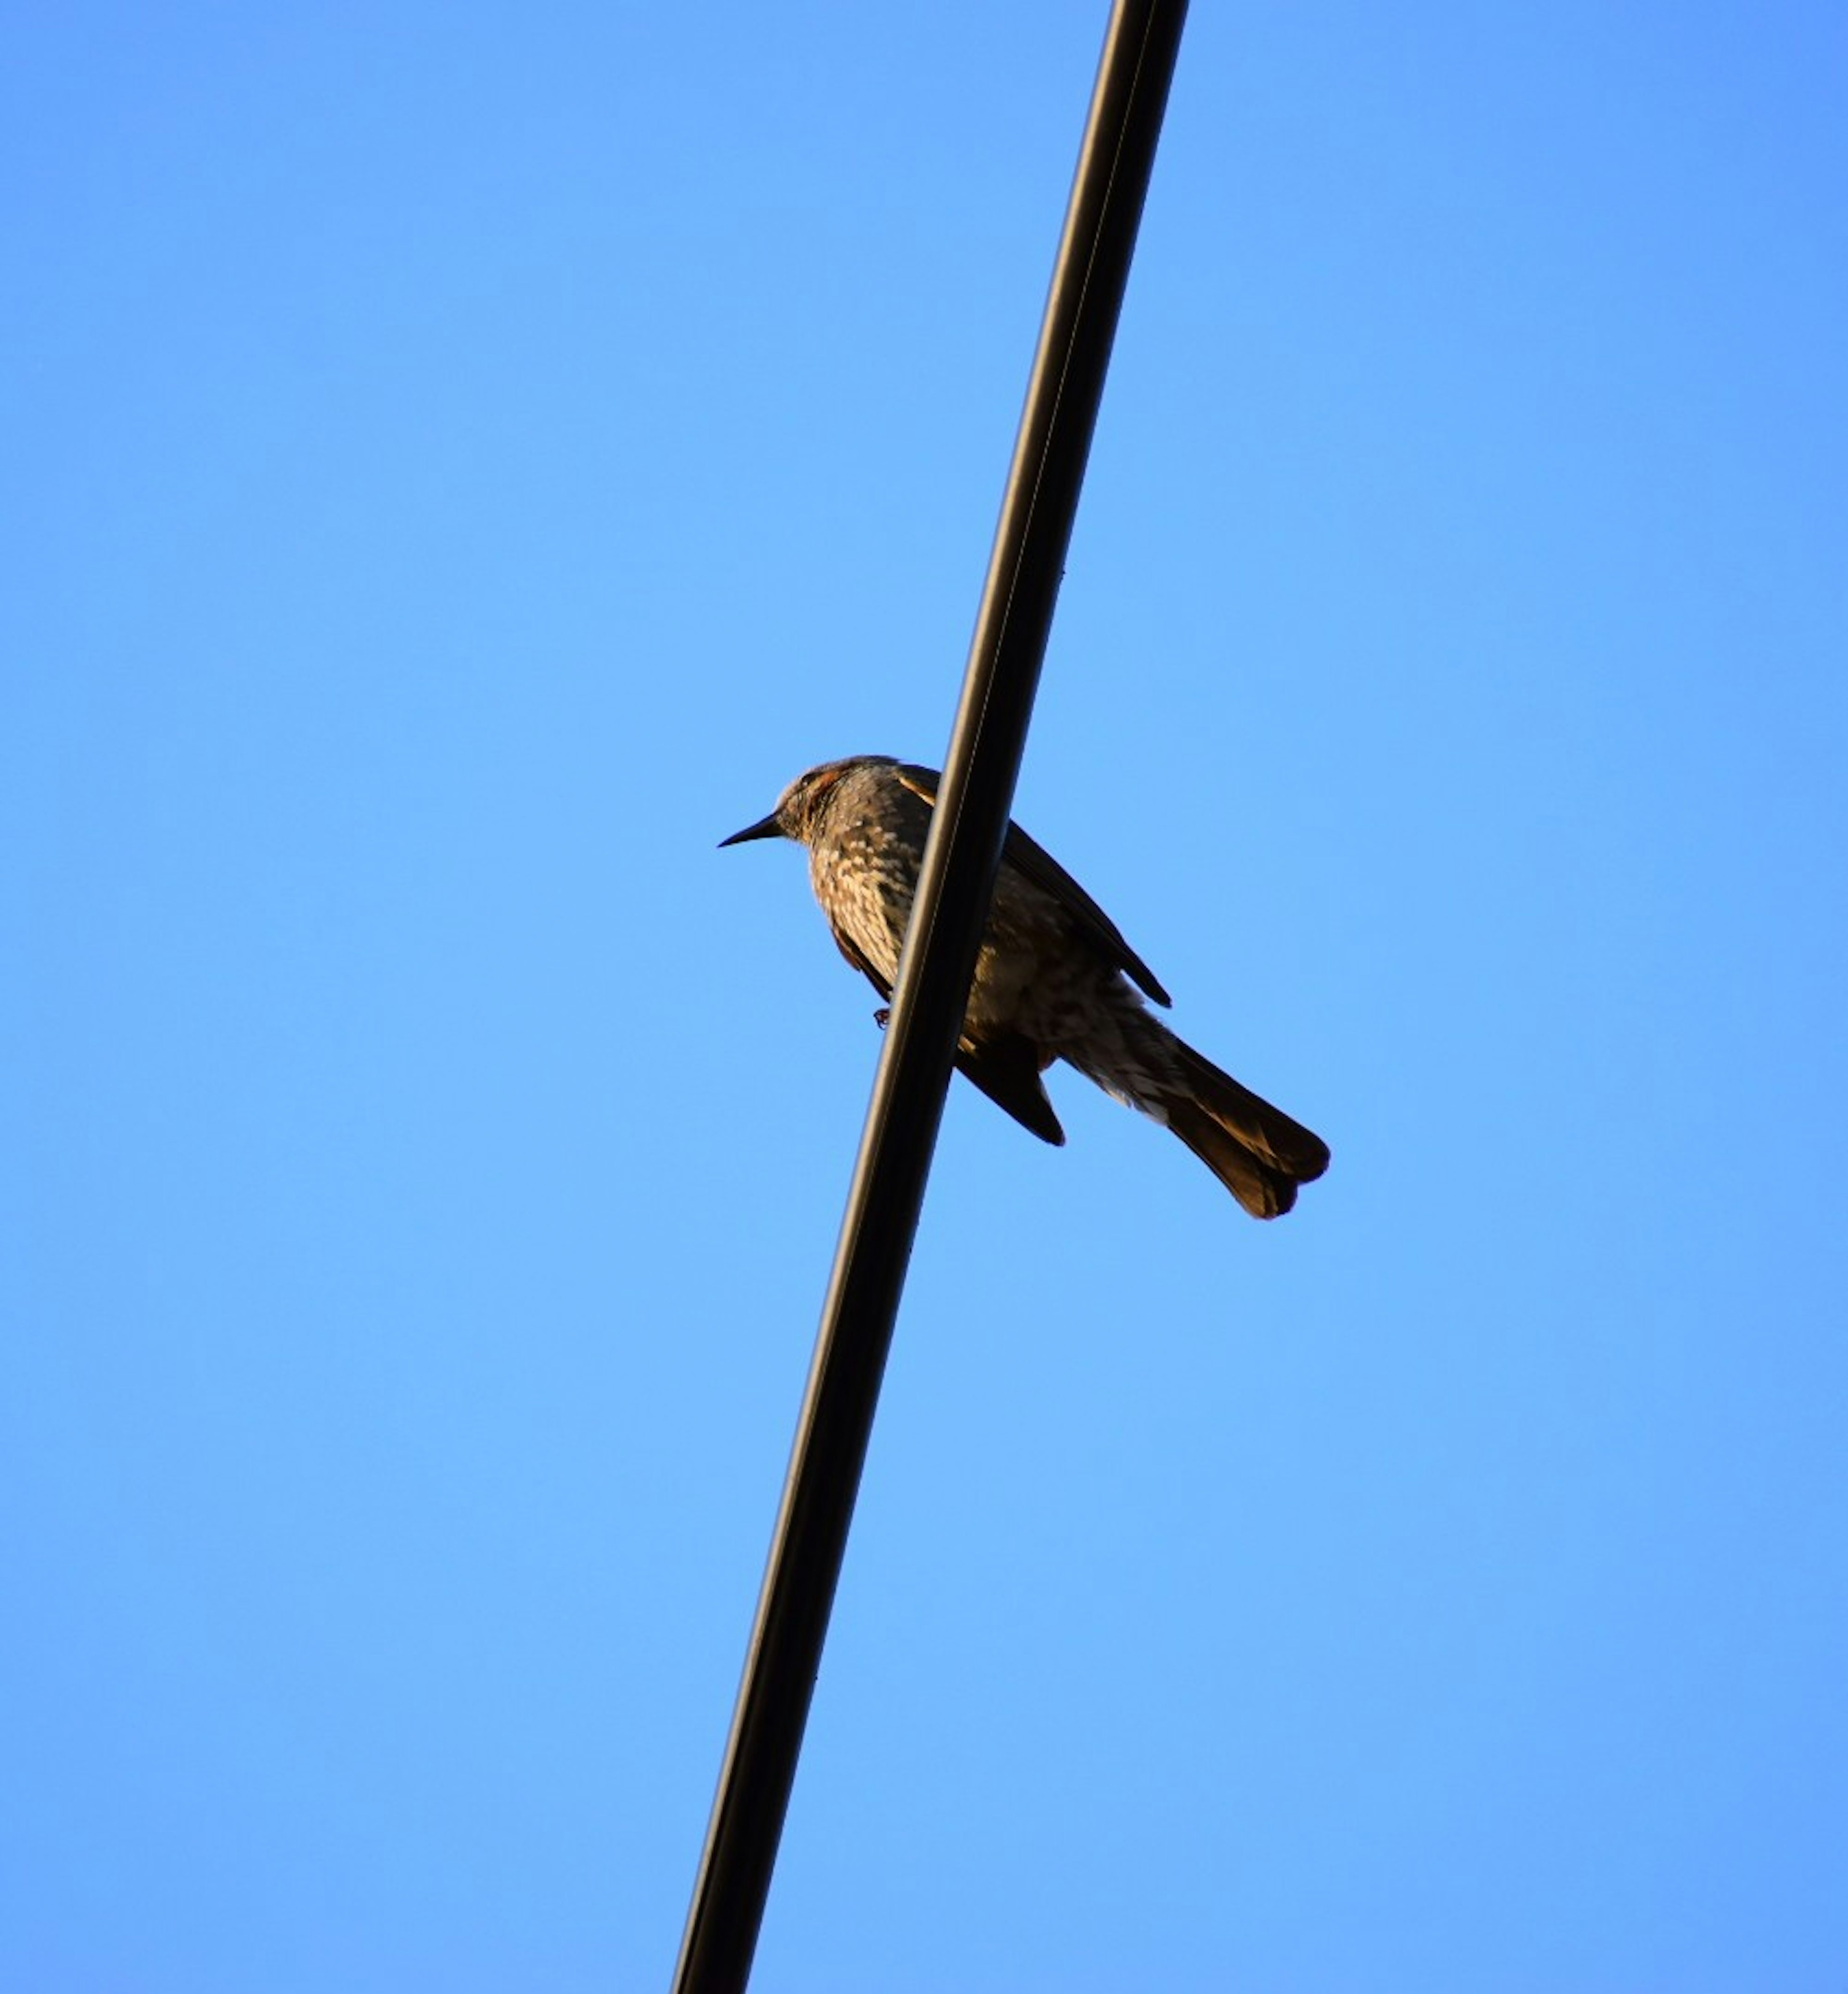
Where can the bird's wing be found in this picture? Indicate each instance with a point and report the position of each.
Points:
(1006, 1068)
(1034, 863)
(856, 958)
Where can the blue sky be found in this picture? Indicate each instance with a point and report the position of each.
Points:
(460, 464)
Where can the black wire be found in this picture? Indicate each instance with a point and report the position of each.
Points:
(954, 889)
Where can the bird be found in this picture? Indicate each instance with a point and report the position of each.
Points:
(1054, 978)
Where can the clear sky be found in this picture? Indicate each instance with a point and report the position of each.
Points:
(460, 463)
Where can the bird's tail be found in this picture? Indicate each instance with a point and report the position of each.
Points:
(1255, 1150)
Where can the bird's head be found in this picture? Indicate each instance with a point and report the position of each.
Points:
(800, 808)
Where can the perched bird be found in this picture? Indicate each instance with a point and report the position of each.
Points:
(1053, 979)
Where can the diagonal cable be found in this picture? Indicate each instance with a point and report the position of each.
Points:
(955, 886)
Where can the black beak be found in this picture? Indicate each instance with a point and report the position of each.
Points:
(766, 827)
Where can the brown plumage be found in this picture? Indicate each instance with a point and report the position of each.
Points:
(1054, 978)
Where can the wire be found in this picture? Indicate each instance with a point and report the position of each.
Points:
(955, 886)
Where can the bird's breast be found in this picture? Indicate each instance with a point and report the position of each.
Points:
(865, 876)
(865, 882)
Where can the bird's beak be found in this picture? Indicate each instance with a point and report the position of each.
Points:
(766, 827)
